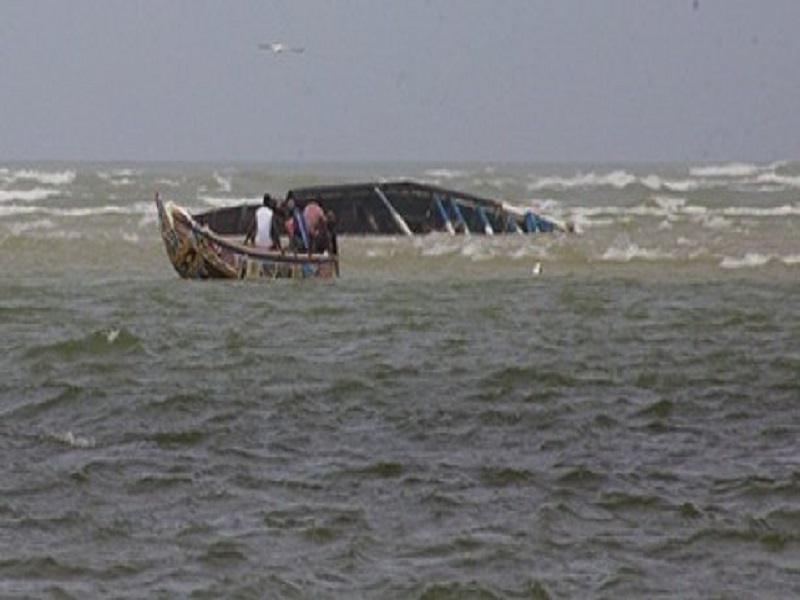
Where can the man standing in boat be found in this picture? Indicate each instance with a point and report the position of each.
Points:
(264, 229)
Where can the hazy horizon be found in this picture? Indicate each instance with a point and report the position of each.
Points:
(573, 82)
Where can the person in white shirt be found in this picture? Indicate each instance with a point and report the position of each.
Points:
(264, 229)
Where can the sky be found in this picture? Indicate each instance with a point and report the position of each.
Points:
(418, 80)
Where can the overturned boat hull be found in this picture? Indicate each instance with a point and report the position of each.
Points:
(197, 251)
(400, 208)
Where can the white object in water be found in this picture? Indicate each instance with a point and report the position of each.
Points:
(537, 269)
(279, 48)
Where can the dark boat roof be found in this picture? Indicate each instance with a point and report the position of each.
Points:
(398, 187)
(367, 208)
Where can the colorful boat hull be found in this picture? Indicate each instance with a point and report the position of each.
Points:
(197, 252)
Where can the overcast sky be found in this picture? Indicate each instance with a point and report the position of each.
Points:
(436, 80)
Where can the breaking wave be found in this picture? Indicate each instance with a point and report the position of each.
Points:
(219, 201)
(75, 441)
(721, 176)
(792, 181)
(656, 183)
(138, 208)
(223, 183)
(32, 195)
(735, 169)
(628, 251)
(43, 177)
(617, 179)
(445, 173)
(25, 226)
(755, 259)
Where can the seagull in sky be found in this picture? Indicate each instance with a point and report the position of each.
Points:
(280, 48)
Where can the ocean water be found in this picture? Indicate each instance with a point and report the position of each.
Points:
(440, 422)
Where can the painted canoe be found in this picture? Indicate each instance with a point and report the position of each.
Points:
(197, 251)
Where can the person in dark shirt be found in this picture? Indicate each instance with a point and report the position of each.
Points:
(330, 226)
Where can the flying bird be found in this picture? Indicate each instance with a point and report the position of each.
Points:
(280, 48)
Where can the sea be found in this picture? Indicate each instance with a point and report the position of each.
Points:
(613, 413)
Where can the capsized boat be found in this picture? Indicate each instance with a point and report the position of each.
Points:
(210, 244)
(400, 208)
(199, 251)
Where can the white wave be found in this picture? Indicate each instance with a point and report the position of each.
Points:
(529, 251)
(91, 211)
(148, 219)
(694, 210)
(219, 201)
(791, 259)
(167, 182)
(43, 177)
(137, 208)
(763, 189)
(628, 251)
(498, 183)
(14, 209)
(116, 173)
(76, 441)
(27, 195)
(223, 183)
(439, 249)
(542, 205)
(443, 173)
(476, 251)
(656, 183)
(617, 179)
(65, 234)
(20, 228)
(714, 222)
(754, 211)
(639, 210)
(131, 238)
(734, 169)
(673, 208)
(670, 203)
(751, 259)
(778, 179)
(381, 252)
(118, 177)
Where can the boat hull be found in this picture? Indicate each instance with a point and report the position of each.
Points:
(196, 252)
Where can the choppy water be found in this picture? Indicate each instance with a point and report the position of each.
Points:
(439, 423)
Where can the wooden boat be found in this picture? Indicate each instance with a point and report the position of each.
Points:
(197, 251)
